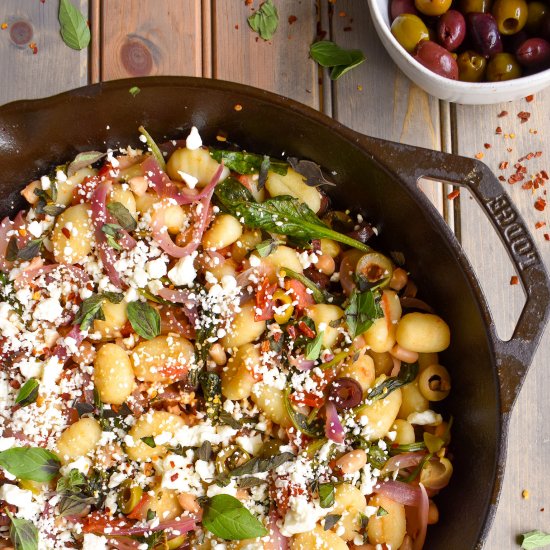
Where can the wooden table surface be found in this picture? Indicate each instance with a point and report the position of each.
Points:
(211, 38)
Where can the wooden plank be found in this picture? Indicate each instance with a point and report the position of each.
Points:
(280, 65)
(151, 37)
(53, 68)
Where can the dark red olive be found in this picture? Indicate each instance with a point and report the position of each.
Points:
(451, 30)
(437, 59)
(402, 6)
(345, 393)
(534, 52)
(484, 35)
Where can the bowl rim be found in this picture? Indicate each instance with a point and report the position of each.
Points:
(501, 86)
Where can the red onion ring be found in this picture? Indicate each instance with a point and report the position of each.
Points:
(28, 276)
(276, 539)
(301, 363)
(404, 493)
(333, 427)
(61, 350)
(423, 509)
(403, 460)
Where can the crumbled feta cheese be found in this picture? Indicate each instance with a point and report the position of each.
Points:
(193, 140)
(425, 418)
(190, 180)
(21, 498)
(184, 272)
(48, 310)
(94, 542)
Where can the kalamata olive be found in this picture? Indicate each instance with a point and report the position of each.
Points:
(432, 7)
(345, 393)
(484, 35)
(451, 30)
(511, 15)
(535, 14)
(471, 66)
(402, 6)
(409, 30)
(475, 6)
(437, 59)
(503, 66)
(535, 53)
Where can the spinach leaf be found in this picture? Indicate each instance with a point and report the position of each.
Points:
(248, 163)
(326, 495)
(258, 465)
(265, 20)
(227, 518)
(406, 375)
(123, 216)
(310, 170)
(82, 160)
(329, 54)
(313, 348)
(154, 148)
(361, 312)
(32, 463)
(28, 393)
(211, 386)
(283, 215)
(144, 318)
(535, 539)
(23, 533)
(74, 27)
(331, 520)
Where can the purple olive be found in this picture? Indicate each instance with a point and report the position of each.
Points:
(451, 30)
(484, 34)
(345, 393)
(437, 59)
(534, 52)
(402, 6)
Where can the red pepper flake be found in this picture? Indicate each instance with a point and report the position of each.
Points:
(503, 165)
(544, 174)
(498, 130)
(524, 116)
(173, 477)
(514, 280)
(509, 149)
(487, 145)
(546, 237)
(538, 225)
(479, 155)
(292, 19)
(453, 194)
(540, 204)
(237, 27)
(33, 47)
(305, 330)
(248, 2)
(530, 98)
(342, 14)
(502, 113)
(66, 232)
(538, 154)
(502, 178)
(4, 26)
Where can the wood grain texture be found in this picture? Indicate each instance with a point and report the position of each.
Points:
(151, 37)
(280, 65)
(53, 68)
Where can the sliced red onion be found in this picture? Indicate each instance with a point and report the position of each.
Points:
(183, 525)
(423, 509)
(403, 460)
(28, 276)
(61, 350)
(345, 393)
(415, 303)
(404, 493)
(347, 270)
(396, 366)
(301, 363)
(276, 539)
(333, 427)
(182, 297)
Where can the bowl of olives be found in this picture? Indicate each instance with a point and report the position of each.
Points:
(468, 51)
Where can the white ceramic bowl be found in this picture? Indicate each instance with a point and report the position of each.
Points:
(475, 93)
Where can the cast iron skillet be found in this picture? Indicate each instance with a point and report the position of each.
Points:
(378, 175)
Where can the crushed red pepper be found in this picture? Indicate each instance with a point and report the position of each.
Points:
(524, 116)
(502, 114)
(540, 204)
(453, 194)
(292, 19)
(514, 280)
(530, 98)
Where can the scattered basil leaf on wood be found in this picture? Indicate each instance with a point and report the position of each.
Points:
(535, 539)
(283, 215)
(247, 163)
(258, 465)
(326, 495)
(265, 20)
(313, 348)
(23, 533)
(33, 463)
(329, 54)
(331, 520)
(123, 216)
(27, 393)
(134, 91)
(82, 160)
(154, 147)
(74, 27)
(227, 518)
(145, 319)
(311, 171)
(149, 440)
(406, 375)
(362, 311)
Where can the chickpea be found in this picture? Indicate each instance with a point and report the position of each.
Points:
(398, 279)
(326, 264)
(352, 462)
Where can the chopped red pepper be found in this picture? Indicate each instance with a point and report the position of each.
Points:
(264, 301)
(300, 293)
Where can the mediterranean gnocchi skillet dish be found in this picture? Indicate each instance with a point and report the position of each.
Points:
(198, 351)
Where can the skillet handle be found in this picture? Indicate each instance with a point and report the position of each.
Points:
(514, 356)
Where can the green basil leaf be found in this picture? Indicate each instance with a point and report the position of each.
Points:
(381, 512)
(265, 248)
(313, 348)
(329, 54)
(74, 504)
(12, 250)
(74, 27)
(376, 457)
(362, 311)
(151, 515)
(407, 448)
(28, 393)
(113, 297)
(211, 385)
(535, 539)
(264, 172)
(283, 215)
(248, 163)
(69, 483)
(145, 319)
(82, 160)
(265, 20)
(406, 375)
(326, 495)
(226, 418)
(331, 520)
(52, 209)
(134, 91)
(247, 482)
(258, 465)
(227, 518)
(90, 309)
(32, 463)
(156, 152)
(30, 250)
(205, 451)
(123, 216)
(149, 440)
(23, 533)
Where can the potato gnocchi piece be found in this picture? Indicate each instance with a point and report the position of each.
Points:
(197, 163)
(72, 235)
(293, 184)
(78, 439)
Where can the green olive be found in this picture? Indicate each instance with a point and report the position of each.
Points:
(432, 7)
(374, 269)
(503, 66)
(230, 458)
(471, 66)
(475, 6)
(535, 14)
(175, 543)
(270, 448)
(129, 496)
(511, 15)
(409, 30)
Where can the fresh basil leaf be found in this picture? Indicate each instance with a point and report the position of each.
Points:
(406, 375)
(283, 215)
(123, 216)
(211, 385)
(265, 248)
(313, 429)
(248, 482)
(329, 54)
(313, 348)
(33, 463)
(74, 27)
(258, 465)
(149, 440)
(90, 309)
(376, 457)
(331, 520)
(226, 418)
(311, 171)
(30, 250)
(113, 297)
(145, 319)
(205, 451)
(52, 209)
(265, 20)
(134, 91)
(28, 393)
(248, 163)
(227, 518)
(112, 232)
(535, 539)
(318, 295)
(407, 448)
(23, 533)
(264, 171)
(74, 481)
(381, 512)
(12, 249)
(75, 504)
(82, 160)
(362, 311)
(326, 495)
(156, 152)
